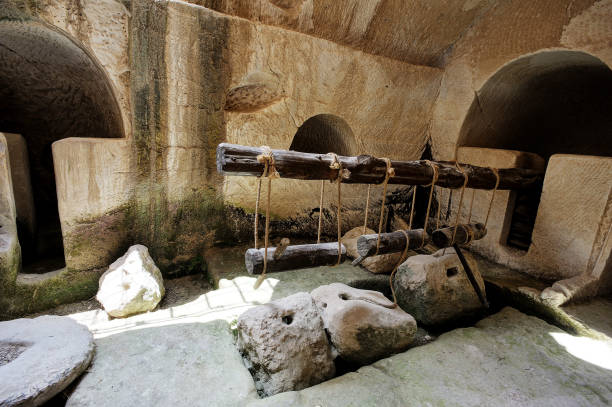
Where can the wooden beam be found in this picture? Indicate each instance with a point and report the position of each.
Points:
(233, 159)
(294, 257)
(390, 242)
(465, 234)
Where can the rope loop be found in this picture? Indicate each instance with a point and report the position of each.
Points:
(401, 260)
(469, 233)
(264, 174)
(389, 172)
(436, 173)
(465, 182)
(320, 211)
(434, 180)
(337, 165)
(496, 172)
(367, 208)
(267, 157)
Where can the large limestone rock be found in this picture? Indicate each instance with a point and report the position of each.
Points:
(508, 359)
(40, 357)
(284, 345)
(434, 288)
(363, 325)
(132, 284)
(383, 263)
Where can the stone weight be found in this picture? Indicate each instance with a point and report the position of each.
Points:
(435, 288)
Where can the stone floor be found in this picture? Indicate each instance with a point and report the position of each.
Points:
(184, 353)
(507, 359)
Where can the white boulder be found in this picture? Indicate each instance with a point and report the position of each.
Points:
(132, 284)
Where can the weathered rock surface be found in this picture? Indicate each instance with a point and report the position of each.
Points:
(363, 325)
(383, 263)
(434, 288)
(284, 345)
(40, 357)
(257, 91)
(181, 364)
(132, 284)
(507, 359)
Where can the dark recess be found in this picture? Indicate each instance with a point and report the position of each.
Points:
(50, 88)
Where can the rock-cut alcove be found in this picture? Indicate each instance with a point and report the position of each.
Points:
(51, 87)
(324, 133)
(550, 102)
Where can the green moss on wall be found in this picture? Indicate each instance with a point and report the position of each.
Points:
(64, 287)
(176, 232)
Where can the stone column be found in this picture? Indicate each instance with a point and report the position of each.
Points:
(22, 185)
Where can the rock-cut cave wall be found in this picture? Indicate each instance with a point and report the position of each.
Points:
(187, 75)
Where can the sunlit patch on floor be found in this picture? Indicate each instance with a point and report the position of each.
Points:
(597, 352)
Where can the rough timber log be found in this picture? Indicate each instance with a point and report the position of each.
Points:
(294, 257)
(444, 237)
(233, 159)
(390, 242)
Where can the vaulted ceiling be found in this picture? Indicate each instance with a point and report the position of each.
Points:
(421, 32)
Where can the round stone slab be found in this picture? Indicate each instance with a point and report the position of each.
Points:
(39, 357)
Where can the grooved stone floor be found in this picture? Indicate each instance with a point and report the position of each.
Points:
(184, 355)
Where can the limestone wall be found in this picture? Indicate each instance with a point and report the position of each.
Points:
(508, 31)
(191, 74)
(571, 207)
(375, 96)
(261, 83)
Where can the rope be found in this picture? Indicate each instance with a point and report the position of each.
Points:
(465, 181)
(367, 207)
(265, 173)
(469, 232)
(337, 165)
(439, 210)
(414, 191)
(471, 205)
(434, 167)
(390, 172)
(320, 212)
(493, 195)
(401, 260)
(270, 172)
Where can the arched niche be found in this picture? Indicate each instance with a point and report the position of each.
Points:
(550, 102)
(51, 87)
(324, 133)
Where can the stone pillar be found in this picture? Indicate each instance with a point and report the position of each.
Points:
(574, 218)
(22, 186)
(7, 201)
(10, 252)
(94, 180)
